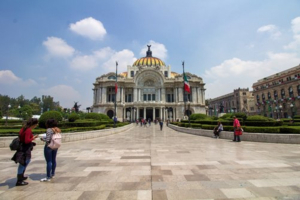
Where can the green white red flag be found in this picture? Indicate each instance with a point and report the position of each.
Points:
(186, 84)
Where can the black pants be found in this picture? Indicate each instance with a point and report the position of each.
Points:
(237, 138)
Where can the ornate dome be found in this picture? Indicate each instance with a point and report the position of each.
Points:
(149, 60)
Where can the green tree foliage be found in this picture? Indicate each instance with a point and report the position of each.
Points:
(17, 104)
(198, 116)
(97, 116)
(240, 116)
(227, 116)
(73, 117)
(49, 115)
(257, 118)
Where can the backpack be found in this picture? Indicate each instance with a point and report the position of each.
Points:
(55, 141)
(15, 144)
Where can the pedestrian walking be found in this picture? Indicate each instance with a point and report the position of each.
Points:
(23, 154)
(161, 124)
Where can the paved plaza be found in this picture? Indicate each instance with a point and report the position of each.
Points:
(146, 163)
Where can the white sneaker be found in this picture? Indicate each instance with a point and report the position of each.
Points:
(52, 177)
(45, 179)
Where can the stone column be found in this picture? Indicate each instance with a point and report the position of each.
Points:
(180, 95)
(198, 95)
(153, 113)
(163, 95)
(144, 112)
(194, 95)
(164, 113)
(104, 95)
(123, 115)
(134, 95)
(138, 113)
(203, 94)
(158, 98)
(175, 94)
(100, 95)
(94, 99)
(118, 97)
(160, 113)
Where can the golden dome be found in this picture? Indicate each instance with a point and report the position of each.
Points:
(149, 60)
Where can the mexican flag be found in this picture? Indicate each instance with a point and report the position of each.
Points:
(186, 84)
(116, 88)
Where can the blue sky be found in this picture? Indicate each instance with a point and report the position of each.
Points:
(59, 48)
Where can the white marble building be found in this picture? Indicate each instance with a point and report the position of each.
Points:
(148, 90)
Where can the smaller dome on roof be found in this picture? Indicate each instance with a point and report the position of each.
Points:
(149, 60)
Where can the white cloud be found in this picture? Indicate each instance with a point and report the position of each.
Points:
(158, 50)
(84, 63)
(124, 58)
(58, 47)
(106, 58)
(271, 29)
(90, 28)
(87, 62)
(235, 73)
(66, 95)
(7, 77)
(296, 25)
(295, 44)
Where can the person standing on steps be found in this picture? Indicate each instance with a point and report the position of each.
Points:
(23, 154)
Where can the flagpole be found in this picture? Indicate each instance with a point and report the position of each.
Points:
(184, 92)
(116, 86)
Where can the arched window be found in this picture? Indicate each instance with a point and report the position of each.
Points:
(282, 93)
(257, 98)
(269, 95)
(275, 94)
(112, 77)
(263, 96)
(291, 93)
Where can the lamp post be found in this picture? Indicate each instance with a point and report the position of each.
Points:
(19, 108)
(210, 111)
(189, 112)
(8, 107)
(292, 113)
(280, 110)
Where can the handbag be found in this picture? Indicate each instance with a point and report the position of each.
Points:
(15, 144)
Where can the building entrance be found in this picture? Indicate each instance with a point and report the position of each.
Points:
(149, 114)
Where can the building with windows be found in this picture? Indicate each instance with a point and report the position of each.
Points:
(149, 89)
(277, 96)
(240, 100)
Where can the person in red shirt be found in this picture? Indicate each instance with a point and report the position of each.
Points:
(23, 154)
(236, 129)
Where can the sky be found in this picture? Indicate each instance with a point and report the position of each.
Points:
(59, 48)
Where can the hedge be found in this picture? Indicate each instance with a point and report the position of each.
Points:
(3, 121)
(263, 123)
(73, 117)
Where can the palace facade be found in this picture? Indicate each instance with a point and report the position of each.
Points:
(240, 100)
(149, 89)
(277, 96)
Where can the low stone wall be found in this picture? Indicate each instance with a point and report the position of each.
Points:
(253, 137)
(71, 137)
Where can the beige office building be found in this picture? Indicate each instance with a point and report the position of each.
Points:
(277, 96)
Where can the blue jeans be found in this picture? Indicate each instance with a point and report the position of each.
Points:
(22, 168)
(50, 156)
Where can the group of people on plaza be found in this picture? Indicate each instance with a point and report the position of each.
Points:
(146, 123)
(23, 154)
(237, 130)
